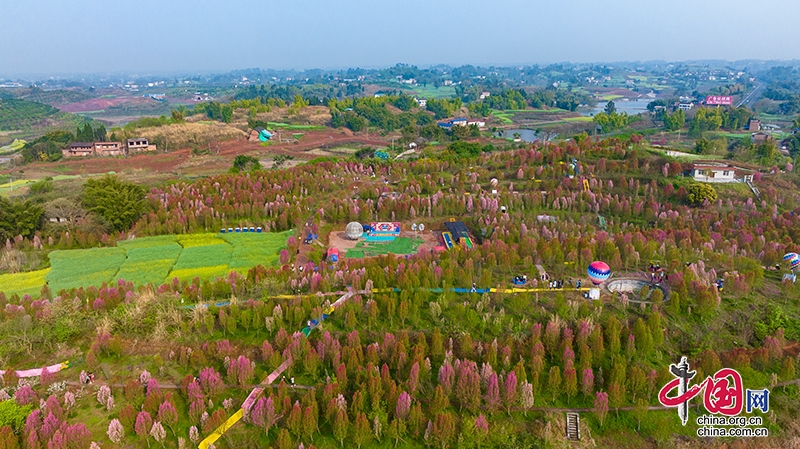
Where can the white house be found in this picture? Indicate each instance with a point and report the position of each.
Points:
(485, 95)
(707, 172)
(479, 122)
(685, 106)
(421, 102)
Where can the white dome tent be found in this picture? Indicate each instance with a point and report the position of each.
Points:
(353, 230)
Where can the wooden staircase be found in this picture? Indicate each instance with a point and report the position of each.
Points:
(573, 427)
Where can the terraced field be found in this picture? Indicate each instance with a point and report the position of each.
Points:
(151, 260)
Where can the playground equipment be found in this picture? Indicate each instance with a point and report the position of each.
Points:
(354, 230)
(448, 239)
(36, 372)
(333, 254)
(598, 272)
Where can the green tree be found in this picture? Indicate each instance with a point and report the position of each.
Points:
(42, 186)
(341, 426)
(717, 147)
(611, 122)
(177, 116)
(698, 193)
(674, 121)
(118, 203)
(19, 218)
(100, 133)
(767, 153)
(361, 431)
(554, 382)
(85, 134)
(796, 122)
(244, 163)
(641, 412)
(706, 119)
(13, 415)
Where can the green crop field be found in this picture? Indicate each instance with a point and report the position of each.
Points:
(83, 267)
(151, 260)
(400, 246)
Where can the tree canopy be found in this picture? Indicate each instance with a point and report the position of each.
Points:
(118, 203)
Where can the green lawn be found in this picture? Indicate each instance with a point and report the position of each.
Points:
(400, 246)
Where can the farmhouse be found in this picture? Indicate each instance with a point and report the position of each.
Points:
(108, 149)
(710, 172)
(139, 145)
(447, 124)
(79, 149)
(685, 106)
(760, 137)
(754, 125)
(479, 122)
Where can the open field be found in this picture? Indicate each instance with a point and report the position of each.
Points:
(151, 260)
(429, 91)
(183, 163)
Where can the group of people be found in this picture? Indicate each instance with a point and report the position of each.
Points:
(86, 378)
(559, 284)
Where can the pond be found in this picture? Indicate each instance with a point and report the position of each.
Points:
(631, 107)
(526, 135)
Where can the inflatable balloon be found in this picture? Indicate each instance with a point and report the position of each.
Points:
(795, 263)
(598, 272)
(789, 256)
(493, 182)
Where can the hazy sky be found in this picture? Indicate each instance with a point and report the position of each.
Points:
(141, 36)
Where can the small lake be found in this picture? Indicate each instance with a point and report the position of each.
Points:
(631, 107)
(527, 135)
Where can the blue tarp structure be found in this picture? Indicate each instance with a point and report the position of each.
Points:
(263, 134)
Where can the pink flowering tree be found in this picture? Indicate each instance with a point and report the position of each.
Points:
(144, 422)
(510, 393)
(25, 395)
(587, 382)
(240, 371)
(115, 431)
(168, 415)
(492, 396)
(601, 406)
(403, 407)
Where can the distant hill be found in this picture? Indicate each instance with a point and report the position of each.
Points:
(29, 117)
(51, 97)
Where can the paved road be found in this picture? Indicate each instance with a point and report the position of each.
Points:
(753, 96)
